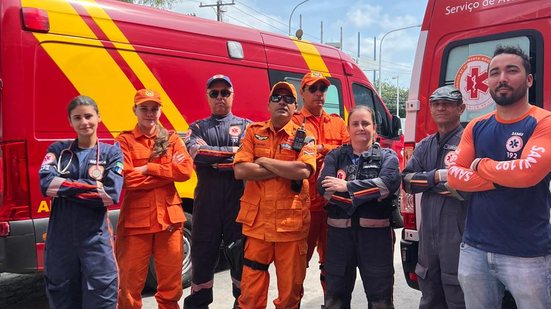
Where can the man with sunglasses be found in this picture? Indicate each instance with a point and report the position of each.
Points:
(330, 132)
(212, 143)
(274, 157)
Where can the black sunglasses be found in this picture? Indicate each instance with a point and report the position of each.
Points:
(314, 88)
(224, 93)
(289, 99)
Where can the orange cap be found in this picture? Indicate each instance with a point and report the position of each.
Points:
(285, 85)
(312, 78)
(146, 95)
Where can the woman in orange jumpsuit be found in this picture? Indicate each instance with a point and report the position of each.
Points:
(151, 216)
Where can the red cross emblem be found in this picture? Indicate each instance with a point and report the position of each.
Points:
(475, 82)
(472, 80)
(235, 131)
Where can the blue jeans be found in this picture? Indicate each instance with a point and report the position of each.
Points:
(484, 276)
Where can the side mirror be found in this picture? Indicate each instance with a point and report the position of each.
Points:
(396, 126)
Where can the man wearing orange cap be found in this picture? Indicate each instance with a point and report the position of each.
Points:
(151, 216)
(276, 157)
(330, 132)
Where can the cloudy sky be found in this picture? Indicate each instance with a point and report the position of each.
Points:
(371, 18)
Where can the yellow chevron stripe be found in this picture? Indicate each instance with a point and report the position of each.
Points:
(315, 62)
(63, 18)
(93, 72)
(312, 57)
(127, 51)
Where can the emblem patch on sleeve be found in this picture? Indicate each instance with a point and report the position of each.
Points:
(119, 167)
(49, 158)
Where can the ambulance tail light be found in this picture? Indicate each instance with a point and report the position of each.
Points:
(35, 20)
(14, 182)
(408, 200)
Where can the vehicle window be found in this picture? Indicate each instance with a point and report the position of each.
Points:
(333, 99)
(466, 66)
(332, 104)
(365, 96)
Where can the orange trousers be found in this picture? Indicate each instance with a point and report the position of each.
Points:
(133, 254)
(317, 235)
(290, 263)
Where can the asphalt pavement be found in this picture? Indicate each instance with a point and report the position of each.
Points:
(404, 296)
(27, 291)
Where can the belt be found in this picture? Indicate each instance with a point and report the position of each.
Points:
(364, 222)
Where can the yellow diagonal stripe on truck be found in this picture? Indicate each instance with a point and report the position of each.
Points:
(92, 71)
(315, 62)
(312, 57)
(144, 74)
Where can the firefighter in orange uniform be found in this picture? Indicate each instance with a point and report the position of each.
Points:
(276, 157)
(330, 132)
(151, 216)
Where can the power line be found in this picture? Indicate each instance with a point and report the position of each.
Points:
(260, 20)
(219, 4)
(239, 22)
(391, 66)
(268, 16)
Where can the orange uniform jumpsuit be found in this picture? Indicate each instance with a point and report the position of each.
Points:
(275, 219)
(151, 220)
(330, 131)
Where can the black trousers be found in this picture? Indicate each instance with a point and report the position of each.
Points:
(368, 249)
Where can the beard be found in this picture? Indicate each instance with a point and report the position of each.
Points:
(505, 99)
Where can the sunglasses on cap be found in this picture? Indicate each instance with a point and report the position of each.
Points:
(289, 99)
(224, 93)
(314, 88)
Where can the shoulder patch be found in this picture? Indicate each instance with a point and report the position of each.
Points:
(119, 167)
(49, 158)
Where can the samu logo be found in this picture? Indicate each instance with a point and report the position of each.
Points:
(513, 145)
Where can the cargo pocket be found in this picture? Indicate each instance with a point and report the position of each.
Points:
(137, 214)
(289, 216)
(248, 211)
(421, 271)
(174, 209)
(260, 152)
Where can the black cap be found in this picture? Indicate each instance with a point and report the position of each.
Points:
(446, 93)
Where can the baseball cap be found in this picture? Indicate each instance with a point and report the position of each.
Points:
(446, 93)
(218, 77)
(313, 77)
(146, 95)
(284, 85)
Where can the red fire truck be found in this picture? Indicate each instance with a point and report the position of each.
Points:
(457, 39)
(51, 51)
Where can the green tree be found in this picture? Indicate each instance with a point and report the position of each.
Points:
(388, 93)
(153, 3)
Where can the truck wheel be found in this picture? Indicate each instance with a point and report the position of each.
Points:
(151, 281)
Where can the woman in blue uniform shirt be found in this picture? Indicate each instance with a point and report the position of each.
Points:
(82, 177)
(359, 181)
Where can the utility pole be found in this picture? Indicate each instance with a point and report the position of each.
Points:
(219, 4)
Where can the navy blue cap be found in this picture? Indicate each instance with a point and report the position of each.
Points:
(218, 77)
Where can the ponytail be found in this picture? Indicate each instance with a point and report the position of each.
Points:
(161, 143)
